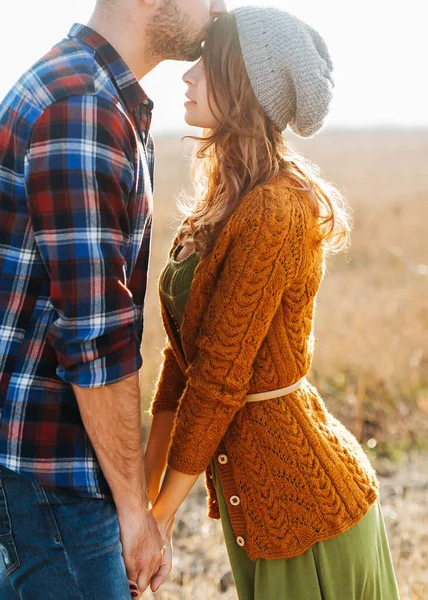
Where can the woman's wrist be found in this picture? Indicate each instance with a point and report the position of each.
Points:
(175, 488)
(164, 522)
(165, 529)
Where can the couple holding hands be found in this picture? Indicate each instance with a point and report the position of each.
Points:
(85, 511)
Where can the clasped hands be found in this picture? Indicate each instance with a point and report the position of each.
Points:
(147, 550)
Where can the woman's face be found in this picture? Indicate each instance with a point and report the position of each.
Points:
(198, 112)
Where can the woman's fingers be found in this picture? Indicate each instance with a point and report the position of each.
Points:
(133, 588)
(160, 576)
(164, 570)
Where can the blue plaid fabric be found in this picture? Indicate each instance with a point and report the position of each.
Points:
(76, 183)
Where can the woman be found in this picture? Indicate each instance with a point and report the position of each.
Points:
(294, 490)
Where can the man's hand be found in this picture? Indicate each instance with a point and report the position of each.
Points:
(112, 418)
(142, 547)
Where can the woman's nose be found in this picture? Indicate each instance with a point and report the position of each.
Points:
(187, 77)
(191, 76)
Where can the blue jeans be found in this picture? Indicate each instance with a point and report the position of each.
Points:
(57, 546)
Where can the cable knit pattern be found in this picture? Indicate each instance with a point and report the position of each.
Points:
(301, 477)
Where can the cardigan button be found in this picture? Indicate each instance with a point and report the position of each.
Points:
(235, 500)
(222, 459)
(240, 541)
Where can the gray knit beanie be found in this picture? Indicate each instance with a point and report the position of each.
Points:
(289, 67)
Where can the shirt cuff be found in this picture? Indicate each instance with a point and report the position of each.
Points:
(105, 370)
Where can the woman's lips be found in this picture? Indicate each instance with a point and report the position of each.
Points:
(189, 101)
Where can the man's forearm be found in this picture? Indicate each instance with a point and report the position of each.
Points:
(112, 419)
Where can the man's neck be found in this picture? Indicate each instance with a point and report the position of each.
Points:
(120, 31)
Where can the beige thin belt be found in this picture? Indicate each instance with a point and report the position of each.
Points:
(274, 393)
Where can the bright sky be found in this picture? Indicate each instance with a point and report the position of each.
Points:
(379, 48)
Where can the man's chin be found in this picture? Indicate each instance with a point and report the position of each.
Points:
(194, 54)
(186, 54)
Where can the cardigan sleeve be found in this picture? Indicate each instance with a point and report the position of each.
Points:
(263, 259)
(170, 384)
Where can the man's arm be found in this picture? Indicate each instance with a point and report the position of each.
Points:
(111, 416)
(79, 176)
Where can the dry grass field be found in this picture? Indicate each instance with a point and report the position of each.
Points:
(371, 362)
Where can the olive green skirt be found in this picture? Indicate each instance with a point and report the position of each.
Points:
(355, 565)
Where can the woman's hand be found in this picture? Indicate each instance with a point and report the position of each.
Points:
(175, 488)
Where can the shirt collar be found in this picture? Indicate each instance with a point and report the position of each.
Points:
(132, 92)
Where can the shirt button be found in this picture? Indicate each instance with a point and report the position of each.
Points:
(235, 500)
(240, 541)
(222, 459)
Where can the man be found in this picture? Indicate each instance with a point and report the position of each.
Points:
(76, 175)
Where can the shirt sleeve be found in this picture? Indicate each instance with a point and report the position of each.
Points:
(79, 173)
(260, 264)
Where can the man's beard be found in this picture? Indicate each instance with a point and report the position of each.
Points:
(172, 35)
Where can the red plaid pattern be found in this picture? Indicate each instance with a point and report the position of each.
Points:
(76, 175)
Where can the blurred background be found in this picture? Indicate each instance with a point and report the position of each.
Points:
(371, 361)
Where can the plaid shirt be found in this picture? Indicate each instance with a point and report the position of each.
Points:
(76, 178)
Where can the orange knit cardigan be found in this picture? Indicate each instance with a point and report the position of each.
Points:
(291, 474)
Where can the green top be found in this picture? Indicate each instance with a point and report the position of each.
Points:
(175, 283)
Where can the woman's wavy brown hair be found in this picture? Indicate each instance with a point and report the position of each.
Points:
(246, 150)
